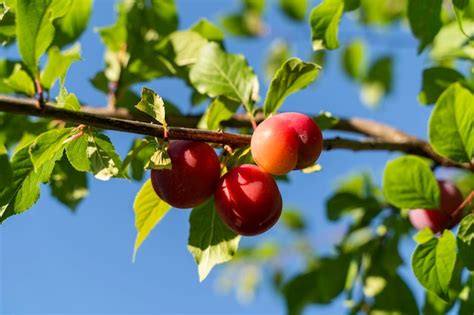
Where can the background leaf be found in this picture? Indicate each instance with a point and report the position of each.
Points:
(435, 81)
(465, 240)
(324, 20)
(58, 64)
(73, 23)
(426, 28)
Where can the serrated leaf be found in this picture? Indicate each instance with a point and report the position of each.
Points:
(408, 183)
(58, 64)
(34, 27)
(423, 236)
(67, 100)
(465, 241)
(68, 185)
(210, 241)
(19, 81)
(24, 189)
(324, 20)
(435, 81)
(76, 152)
(153, 105)
(149, 211)
(160, 160)
(451, 126)
(426, 28)
(104, 161)
(217, 73)
(73, 23)
(321, 285)
(187, 45)
(433, 264)
(220, 109)
(46, 146)
(295, 10)
(292, 76)
(353, 60)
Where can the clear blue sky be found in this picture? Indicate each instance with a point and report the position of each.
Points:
(52, 261)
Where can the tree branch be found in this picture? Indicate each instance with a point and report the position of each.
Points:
(382, 137)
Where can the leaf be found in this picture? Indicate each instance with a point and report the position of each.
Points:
(426, 28)
(35, 29)
(451, 43)
(73, 23)
(451, 126)
(247, 24)
(210, 241)
(324, 20)
(208, 30)
(325, 120)
(135, 153)
(343, 203)
(46, 146)
(58, 65)
(6, 69)
(153, 105)
(187, 45)
(67, 100)
(465, 241)
(423, 236)
(433, 264)
(320, 285)
(353, 60)
(68, 185)
(278, 53)
(217, 73)
(149, 211)
(104, 161)
(408, 183)
(378, 81)
(220, 109)
(6, 172)
(435, 81)
(20, 81)
(292, 76)
(24, 189)
(295, 10)
(76, 152)
(293, 220)
(160, 160)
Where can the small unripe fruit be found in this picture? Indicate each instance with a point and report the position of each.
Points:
(439, 219)
(248, 200)
(194, 174)
(285, 142)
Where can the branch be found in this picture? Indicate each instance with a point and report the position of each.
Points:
(382, 137)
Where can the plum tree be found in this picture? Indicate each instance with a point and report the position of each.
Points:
(285, 142)
(194, 174)
(248, 200)
(440, 219)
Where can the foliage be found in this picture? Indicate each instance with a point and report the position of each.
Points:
(145, 44)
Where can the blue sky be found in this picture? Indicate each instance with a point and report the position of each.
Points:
(52, 261)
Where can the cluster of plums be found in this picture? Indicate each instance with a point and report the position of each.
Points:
(247, 197)
(443, 218)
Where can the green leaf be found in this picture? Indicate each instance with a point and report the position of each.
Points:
(67, 100)
(135, 153)
(292, 76)
(6, 69)
(451, 126)
(426, 28)
(149, 211)
(208, 30)
(210, 241)
(74, 23)
(465, 241)
(77, 154)
(7, 23)
(395, 298)
(6, 172)
(293, 220)
(34, 27)
(459, 7)
(378, 81)
(68, 185)
(187, 45)
(295, 10)
(160, 160)
(451, 43)
(343, 203)
(247, 24)
(104, 161)
(324, 20)
(423, 236)
(408, 183)
(433, 264)
(278, 53)
(435, 81)
(353, 60)
(325, 120)
(220, 109)
(320, 285)
(24, 188)
(217, 73)
(58, 64)
(19, 81)
(153, 105)
(46, 146)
